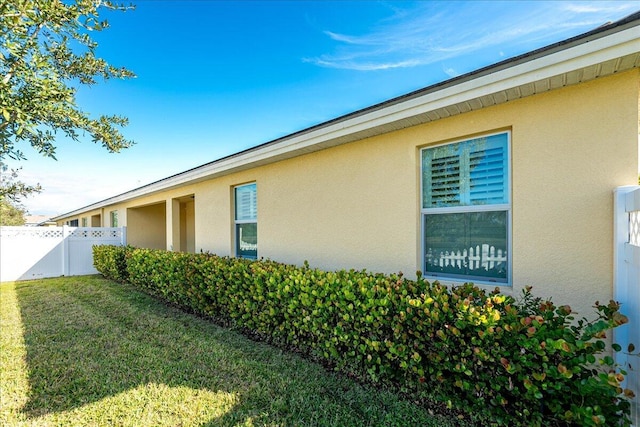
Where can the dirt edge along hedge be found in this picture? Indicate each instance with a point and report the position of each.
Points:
(513, 361)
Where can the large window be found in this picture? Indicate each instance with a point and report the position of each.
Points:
(466, 209)
(246, 221)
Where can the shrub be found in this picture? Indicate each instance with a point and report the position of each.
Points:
(512, 361)
(110, 261)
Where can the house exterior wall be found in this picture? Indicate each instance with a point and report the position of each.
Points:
(352, 206)
(146, 226)
(358, 205)
(92, 218)
(187, 226)
(96, 220)
(563, 201)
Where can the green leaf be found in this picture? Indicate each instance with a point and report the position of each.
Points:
(51, 64)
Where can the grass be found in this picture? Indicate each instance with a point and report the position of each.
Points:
(85, 351)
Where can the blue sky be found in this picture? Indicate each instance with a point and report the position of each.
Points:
(217, 77)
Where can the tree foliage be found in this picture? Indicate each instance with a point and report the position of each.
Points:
(46, 53)
(13, 189)
(11, 213)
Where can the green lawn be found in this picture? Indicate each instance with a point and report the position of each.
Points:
(84, 351)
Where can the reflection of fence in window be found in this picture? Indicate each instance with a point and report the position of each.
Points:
(247, 246)
(485, 257)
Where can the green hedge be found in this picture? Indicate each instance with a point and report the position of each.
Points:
(110, 261)
(514, 362)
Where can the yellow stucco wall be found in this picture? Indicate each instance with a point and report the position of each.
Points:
(358, 205)
(187, 226)
(353, 206)
(563, 179)
(92, 218)
(146, 226)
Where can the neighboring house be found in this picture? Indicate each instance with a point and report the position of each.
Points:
(38, 221)
(503, 176)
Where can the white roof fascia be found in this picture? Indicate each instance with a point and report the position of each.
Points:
(588, 53)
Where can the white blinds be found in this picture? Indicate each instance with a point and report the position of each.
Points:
(487, 171)
(246, 203)
(472, 172)
(445, 181)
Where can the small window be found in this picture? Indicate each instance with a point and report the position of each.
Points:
(84, 222)
(73, 223)
(113, 215)
(246, 221)
(466, 209)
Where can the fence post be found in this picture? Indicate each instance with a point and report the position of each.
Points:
(625, 289)
(65, 250)
(620, 237)
(123, 240)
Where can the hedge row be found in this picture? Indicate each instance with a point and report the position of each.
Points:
(514, 361)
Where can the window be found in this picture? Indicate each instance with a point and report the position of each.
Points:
(84, 222)
(246, 225)
(466, 209)
(73, 223)
(114, 218)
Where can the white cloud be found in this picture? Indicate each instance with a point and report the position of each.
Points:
(450, 72)
(600, 7)
(363, 66)
(344, 38)
(435, 31)
(63, 191)
(84, 174)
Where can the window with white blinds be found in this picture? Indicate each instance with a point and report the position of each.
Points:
(472, 172)
(246, 202)
(246, 220)
(466, 209)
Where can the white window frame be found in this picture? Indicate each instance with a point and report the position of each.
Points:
(444, 278)
(237, 222)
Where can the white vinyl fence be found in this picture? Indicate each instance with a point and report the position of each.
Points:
(38, 252)
(627, 285)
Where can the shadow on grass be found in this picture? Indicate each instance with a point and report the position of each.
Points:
(89, 339)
